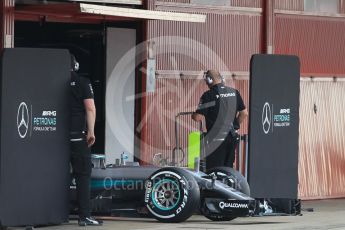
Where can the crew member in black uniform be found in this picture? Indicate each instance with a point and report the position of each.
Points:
(83, 116)
(224, 111)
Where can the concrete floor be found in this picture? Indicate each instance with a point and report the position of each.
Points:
(328, 214)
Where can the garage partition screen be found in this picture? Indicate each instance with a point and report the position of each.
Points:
(34, 157)
(274, 126)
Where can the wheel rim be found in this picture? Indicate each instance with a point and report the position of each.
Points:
(166, 194)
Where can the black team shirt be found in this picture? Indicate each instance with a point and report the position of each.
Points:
(81, 90)
(220, 105)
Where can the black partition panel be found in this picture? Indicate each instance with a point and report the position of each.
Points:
(274, 126)
(34, 157)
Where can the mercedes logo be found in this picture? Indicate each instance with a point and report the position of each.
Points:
(266, 117)
(22, 120)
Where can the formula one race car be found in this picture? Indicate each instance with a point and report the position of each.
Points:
(171, 194)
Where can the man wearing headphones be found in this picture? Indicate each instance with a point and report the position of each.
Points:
(224, 111)
(83, 116)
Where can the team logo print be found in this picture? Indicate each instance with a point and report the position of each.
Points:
(22, 120)
(266, 118)
(224, 205)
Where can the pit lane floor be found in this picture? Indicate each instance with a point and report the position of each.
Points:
(328, 214)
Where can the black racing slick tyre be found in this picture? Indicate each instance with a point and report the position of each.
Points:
(172, 195)
(234, 179)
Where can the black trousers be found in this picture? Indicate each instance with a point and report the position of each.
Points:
(221, 153)
(81, 165)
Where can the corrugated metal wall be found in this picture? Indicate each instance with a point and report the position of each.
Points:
(246, 3)
(215, 38)
(171, 97)
(318, 41)
(175, 1)
(212, 37)
(236, 3)
(222, 28)
(292, 5)
(322, 142)
(7, 22)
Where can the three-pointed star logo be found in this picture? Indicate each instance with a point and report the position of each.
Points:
(266, 117)
(23, 120)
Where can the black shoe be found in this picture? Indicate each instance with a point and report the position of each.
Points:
(89, 221)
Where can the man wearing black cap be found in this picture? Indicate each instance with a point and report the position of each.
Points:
(224, 111)
(83, 116)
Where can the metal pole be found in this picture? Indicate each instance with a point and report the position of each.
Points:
(177, 143)
(247, 153)
(202, 150)
(143, 151)
(240, 155)
(177, 134)
(268, 27)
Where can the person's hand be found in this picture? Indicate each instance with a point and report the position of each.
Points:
(90, 138)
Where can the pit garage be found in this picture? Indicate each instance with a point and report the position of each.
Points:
(99, 36)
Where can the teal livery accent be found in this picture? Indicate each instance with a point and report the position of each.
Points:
(154, 190)
(108, 183)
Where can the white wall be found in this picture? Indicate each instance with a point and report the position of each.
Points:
(119, 129)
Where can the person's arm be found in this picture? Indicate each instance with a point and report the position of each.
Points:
(201, 111)
(197, 117)
(241, 115)
(241, 108)
(90, 110)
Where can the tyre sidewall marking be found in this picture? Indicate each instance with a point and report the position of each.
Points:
(182, 181)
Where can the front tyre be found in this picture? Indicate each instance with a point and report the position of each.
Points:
(172, 195)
